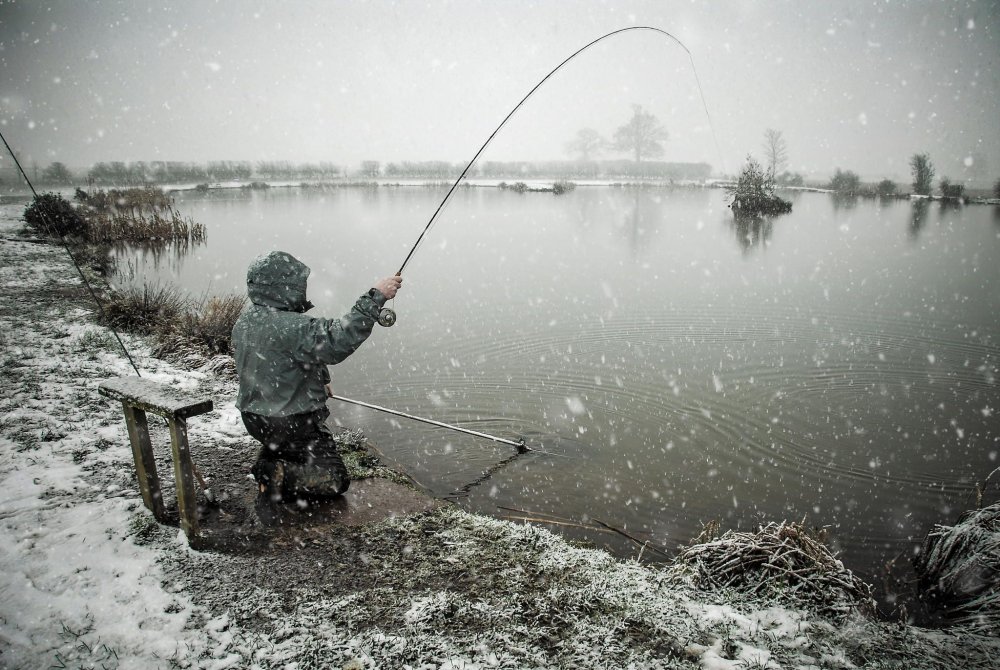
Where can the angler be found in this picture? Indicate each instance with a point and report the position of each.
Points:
(282, 356)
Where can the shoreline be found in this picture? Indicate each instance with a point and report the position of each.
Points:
(533, 185)
(89, 578)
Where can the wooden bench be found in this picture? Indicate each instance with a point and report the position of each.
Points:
(139, 396)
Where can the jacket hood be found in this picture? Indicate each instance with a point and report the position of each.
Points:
(278, 280)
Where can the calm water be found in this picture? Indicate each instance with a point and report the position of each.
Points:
(838, 364)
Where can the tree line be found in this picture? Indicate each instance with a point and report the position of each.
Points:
(121, 173)
(847, 182)
(641, 138)
(922, 172)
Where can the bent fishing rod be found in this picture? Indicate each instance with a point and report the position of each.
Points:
(387, 316)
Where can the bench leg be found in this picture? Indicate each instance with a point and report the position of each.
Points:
(145, 466)
(184, 476)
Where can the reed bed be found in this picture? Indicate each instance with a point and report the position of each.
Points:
(958, 569)
(137, 215)
(787, 560)
(144, 198)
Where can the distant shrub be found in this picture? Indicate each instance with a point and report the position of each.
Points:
(51, 214)
(201, 188)
(845, 181)
(996, 189)
(886, 188)
(951, 191)
(256, 186)
(519, 187)
(789, 179)
(561, 187)
(753, 193)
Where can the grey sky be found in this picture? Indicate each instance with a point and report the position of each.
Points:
(856, 85)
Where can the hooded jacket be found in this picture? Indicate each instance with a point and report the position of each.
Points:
(281, 353)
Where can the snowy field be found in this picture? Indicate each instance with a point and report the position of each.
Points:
(88, 580)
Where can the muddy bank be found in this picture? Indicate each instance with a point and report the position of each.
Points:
(88, 579)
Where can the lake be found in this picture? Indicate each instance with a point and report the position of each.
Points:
(837, 364)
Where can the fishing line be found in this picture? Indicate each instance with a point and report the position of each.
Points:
(62, 238)
(576, 53)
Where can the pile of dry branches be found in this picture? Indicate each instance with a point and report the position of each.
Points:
(782, 559)
(959, 569)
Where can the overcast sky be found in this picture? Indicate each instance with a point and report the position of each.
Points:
(855, 85)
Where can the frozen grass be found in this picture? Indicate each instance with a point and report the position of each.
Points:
(959, 569)
(360, 459)
(786, 560)
(197, 333)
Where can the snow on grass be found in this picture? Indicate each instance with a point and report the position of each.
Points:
(75, 589)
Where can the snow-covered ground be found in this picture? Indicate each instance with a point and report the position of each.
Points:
(89, 580)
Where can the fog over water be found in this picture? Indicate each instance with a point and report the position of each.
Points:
(855, 85)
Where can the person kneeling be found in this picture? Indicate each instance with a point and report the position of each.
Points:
(281, 360)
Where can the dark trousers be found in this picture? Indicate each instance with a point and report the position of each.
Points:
(306, 449)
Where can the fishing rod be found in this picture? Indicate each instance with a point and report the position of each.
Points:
(62, 238)
(521, 447)
(387, 316)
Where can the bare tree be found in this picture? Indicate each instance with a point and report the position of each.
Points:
(641, 136)
(587, 144)
(775, 152)
(923, 173)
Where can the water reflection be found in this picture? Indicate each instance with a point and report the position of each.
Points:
(644, 220)
(160, 255)
(751, 231)
(918, 216)
(843, 201)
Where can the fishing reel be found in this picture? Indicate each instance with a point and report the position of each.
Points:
(386, 317)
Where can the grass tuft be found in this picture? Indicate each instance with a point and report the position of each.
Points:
(145, 309)
(204, 328)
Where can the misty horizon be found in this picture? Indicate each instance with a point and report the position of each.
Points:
(851, 86)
